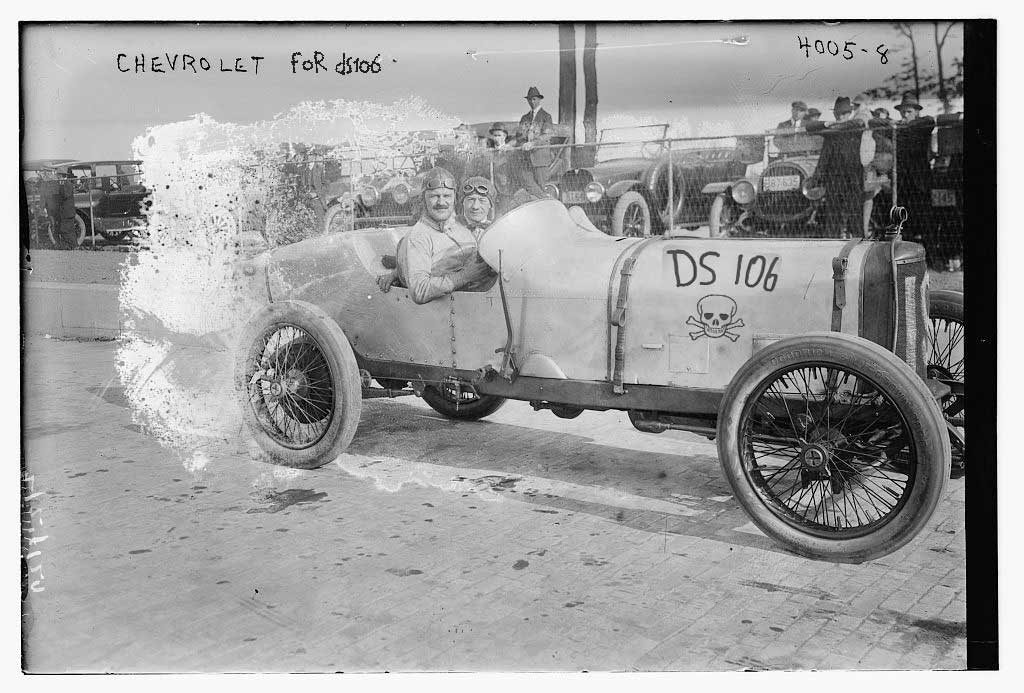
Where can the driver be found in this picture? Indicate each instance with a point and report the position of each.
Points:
(438, 255)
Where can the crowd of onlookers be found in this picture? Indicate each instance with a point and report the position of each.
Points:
(867, 161)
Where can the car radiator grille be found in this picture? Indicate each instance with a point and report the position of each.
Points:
(780, 205)
(913, 325)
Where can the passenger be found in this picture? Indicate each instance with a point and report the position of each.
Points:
(813, 116)
(477, 205)
(438, 255)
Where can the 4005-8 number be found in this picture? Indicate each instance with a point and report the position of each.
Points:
(754, 271)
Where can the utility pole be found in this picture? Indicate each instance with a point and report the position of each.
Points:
(567, 77)
(590, 86)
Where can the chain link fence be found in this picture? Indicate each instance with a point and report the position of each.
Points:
(835, 181)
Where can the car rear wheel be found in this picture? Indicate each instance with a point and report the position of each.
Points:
(81, 228)
(458, 402)
(298, 384)
(834, 447)
(631, 216)
(946, 363)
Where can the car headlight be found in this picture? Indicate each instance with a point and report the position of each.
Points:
(743, 192)
(552, 190)
(812, 193)
(369, 196)
(401, 193)
(594, 192)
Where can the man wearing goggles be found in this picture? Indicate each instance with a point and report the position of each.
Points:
(438, 255)
(477, 204)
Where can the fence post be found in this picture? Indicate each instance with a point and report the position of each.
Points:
(92, 222)
(671, 189)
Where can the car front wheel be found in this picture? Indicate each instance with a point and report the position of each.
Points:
(298, 384)
(632, 216)
(722, 217)
(834, 447)
(338, 218)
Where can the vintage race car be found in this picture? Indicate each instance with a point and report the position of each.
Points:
(805, 360)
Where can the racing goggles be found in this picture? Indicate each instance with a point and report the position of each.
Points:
(480, 189)
(439, 181)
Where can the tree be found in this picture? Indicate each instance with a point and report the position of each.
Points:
(939, 43)
(924, 81)
(909, 73)
(567, 76)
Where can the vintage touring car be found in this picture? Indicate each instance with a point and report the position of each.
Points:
(805, 360)
(626, 191)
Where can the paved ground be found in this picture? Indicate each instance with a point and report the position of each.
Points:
(524, 542)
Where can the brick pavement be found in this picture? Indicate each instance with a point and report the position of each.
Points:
(524, 542)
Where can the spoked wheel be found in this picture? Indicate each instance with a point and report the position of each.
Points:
(457, 401)
(946, 363)
(632, 216)
(298, 384)
(833, 446)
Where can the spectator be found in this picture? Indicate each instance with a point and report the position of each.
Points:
(535, 130)
(59, 198)
(861, 108)
(913, 135)
(796, 119)
(813, 116)
(840, 172)
(501, 169)
(881, 114)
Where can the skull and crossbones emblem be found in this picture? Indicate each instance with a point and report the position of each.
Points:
(715, 315)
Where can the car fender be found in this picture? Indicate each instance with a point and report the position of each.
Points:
(619, 188)
(716, 188)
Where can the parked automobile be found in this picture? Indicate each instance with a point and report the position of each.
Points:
(626, 190)
(33, 172)
(806, 361)
(778, 200)
(109, 198)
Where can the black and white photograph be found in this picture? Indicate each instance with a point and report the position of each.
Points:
(507, 346)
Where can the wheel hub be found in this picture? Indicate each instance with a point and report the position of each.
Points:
(814, 456)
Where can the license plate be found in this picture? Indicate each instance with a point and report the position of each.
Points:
(781, 183)
(943, 198)
(574, 197)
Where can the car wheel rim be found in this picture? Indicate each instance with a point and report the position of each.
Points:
(946, 358)
(633, 220)
(290, 386)
(827, 451)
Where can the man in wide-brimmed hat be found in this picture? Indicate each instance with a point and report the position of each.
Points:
(913, 170)
(840, 172)
(438, 255)
(908, 108)
(535, 130)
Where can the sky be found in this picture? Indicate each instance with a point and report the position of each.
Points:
(78, 104)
